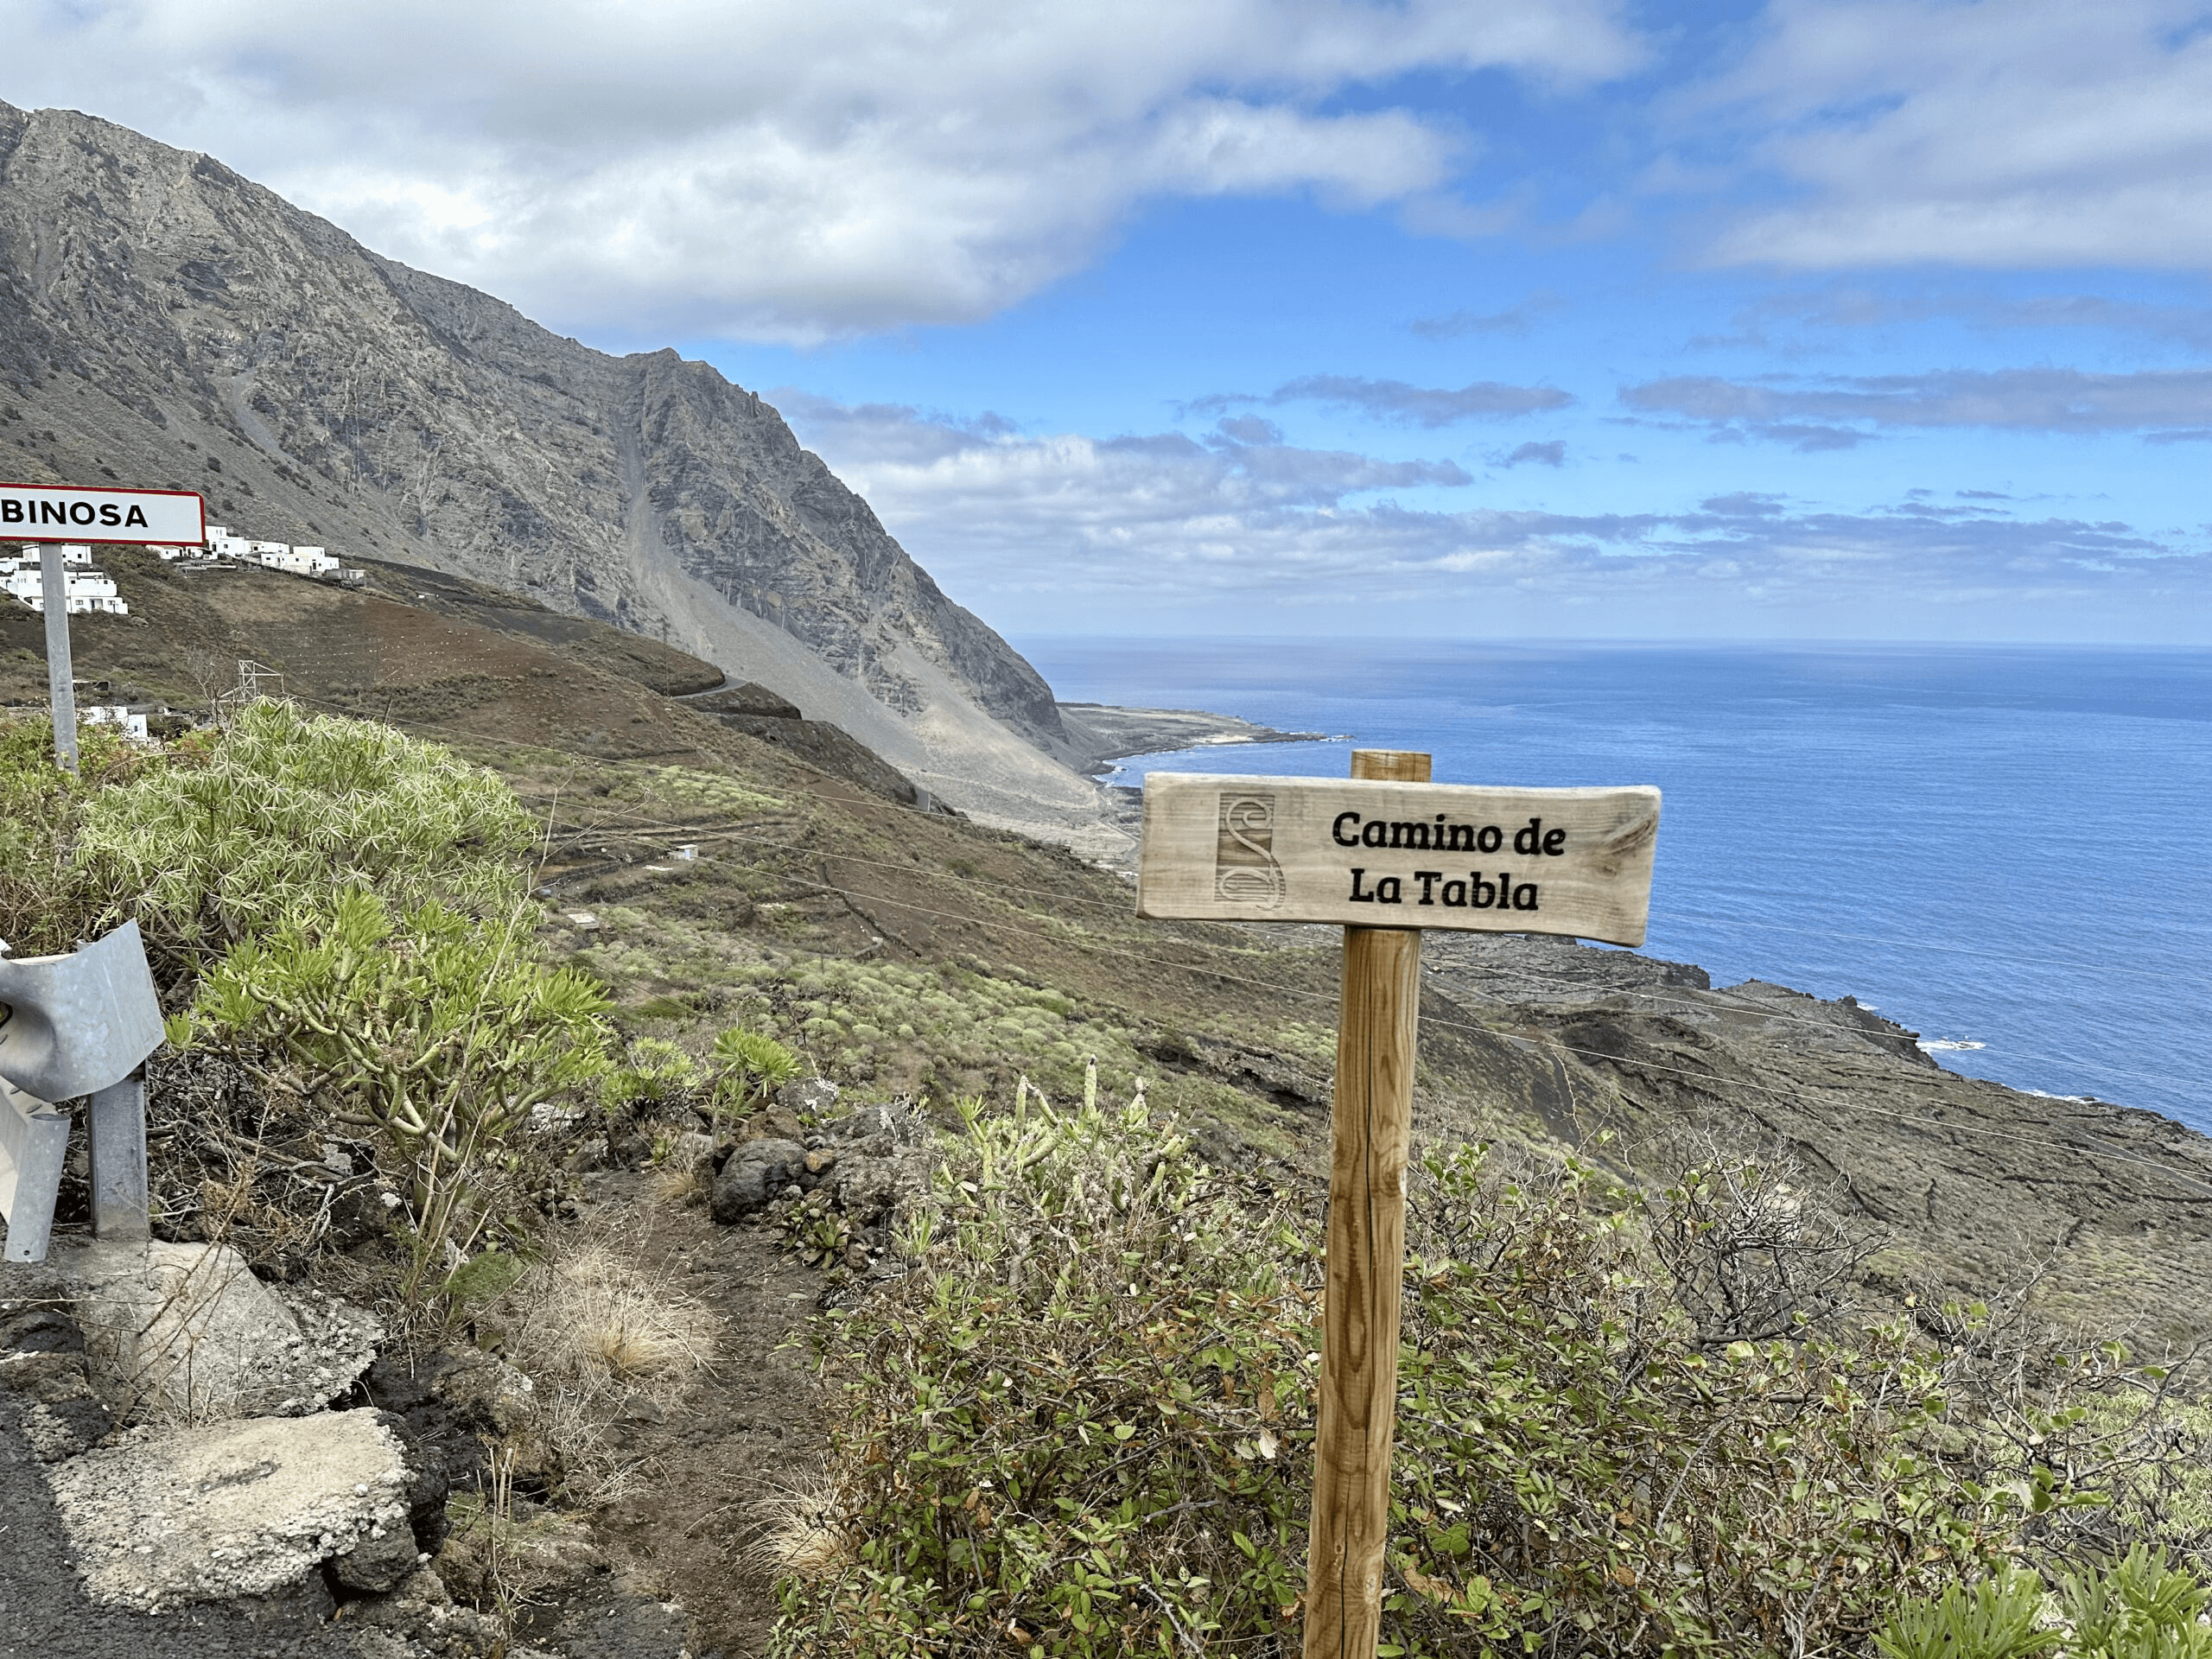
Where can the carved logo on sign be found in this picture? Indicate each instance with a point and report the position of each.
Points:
(1244, 868)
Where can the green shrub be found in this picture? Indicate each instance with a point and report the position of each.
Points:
(273, 816)
(1577, 1465)
(1068, 1425)
(2138, 1607)
(45, 905)
(218, 836)
(1081, 1424)
(655, 1070)
(752, 1067)
(438, 1034)
(1997, 1619)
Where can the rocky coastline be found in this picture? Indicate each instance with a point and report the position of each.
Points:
(1105, 732)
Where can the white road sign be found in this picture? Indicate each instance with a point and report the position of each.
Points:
(43, 512)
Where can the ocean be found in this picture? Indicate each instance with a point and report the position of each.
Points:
(2001, 846)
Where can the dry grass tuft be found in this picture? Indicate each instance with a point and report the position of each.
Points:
(595, 1321)
(595, 1330)
(683, 1186)
(802, 1532)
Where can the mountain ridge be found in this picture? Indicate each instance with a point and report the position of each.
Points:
(165, 321)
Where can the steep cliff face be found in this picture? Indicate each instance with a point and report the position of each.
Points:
(167, 323)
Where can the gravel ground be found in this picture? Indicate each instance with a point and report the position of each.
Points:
(44, 1614)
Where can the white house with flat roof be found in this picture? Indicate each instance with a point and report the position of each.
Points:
(72, 553)
(275, 556)
(132, 720)
(86, 590)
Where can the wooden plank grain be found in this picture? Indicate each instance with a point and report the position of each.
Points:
(1370, 1137)
(1399, 852)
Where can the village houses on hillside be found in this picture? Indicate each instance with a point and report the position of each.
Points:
(92, 589)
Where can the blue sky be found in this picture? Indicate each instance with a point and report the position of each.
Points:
(1877, 319)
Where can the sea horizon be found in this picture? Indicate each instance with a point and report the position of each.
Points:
(1989, 842)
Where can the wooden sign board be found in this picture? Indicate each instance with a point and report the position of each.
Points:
(1366, 853)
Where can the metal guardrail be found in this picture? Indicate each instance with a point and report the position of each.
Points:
(82, 1024)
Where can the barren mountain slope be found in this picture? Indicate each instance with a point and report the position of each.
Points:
(164, 322)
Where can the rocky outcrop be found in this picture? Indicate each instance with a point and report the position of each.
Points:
(758, 712)
(2099, 1214)
(166, 322)
(757, 1172)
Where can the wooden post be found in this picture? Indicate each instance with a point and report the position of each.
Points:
(1370, 1136)
(1243, 849)
(60, 675)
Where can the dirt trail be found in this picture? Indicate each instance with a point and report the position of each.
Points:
(747, 1429)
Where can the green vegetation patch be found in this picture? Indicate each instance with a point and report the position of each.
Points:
(228, 831)
(283, 808)
(690, 787)
(343, 909)
(438, 1034)
(948, 1024)
(1081, 1426)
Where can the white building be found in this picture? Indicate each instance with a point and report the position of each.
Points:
(299, 561)
(133, 721)
(224, 545)
(32, 556)
(87, 590)
(276, 555)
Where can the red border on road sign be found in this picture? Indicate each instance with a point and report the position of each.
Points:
(107, 489)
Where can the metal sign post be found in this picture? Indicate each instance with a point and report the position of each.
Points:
(60, 673)
(82, 1024)
(1388, 855)
(34, 1146)
(57, 513)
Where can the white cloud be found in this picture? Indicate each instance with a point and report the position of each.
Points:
(2031, 132)
(784, 169)
(1065, 530)
(2159, 402)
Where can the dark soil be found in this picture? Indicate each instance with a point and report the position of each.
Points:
(745, 1432)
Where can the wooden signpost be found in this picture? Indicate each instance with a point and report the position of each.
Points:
(1388, 855)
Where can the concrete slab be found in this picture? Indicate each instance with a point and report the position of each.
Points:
(185, 1333)
(185, 1515)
